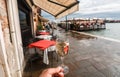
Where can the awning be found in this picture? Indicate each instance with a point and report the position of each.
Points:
(58, 8)
(43, 19)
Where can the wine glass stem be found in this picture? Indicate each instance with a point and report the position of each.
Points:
(62, 60)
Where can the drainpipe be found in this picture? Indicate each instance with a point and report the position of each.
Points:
(14, 21)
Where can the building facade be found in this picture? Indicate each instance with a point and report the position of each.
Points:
(18, 20)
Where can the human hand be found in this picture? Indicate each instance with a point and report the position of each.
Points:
(52, 72)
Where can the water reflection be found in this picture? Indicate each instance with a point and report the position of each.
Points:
(80, 36)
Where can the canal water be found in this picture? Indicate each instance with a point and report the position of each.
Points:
(112, 31)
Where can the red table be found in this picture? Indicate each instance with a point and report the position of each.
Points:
(43, 33)
(43, 45)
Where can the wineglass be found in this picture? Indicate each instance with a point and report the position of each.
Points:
(62, 48)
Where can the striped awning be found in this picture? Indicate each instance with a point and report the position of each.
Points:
(58, 8)
(42, 19)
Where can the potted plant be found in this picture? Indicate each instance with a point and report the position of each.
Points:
(39, 27)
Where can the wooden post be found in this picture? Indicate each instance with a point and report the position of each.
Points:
(66, 29)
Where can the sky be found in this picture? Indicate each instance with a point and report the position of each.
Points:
(98, 6)
(93, 9)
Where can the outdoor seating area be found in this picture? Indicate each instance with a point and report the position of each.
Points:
(40, 48)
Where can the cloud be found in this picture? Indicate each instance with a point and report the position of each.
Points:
(98, 6)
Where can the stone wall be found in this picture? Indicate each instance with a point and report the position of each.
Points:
(3, 18)
(8, 44)
(2, 68)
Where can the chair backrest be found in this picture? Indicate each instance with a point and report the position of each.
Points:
(54, 37)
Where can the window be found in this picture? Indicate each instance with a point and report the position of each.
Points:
(25, 22)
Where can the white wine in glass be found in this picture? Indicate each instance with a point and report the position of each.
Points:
(62, 48)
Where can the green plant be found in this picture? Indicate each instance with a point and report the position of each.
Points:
(39, 27)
